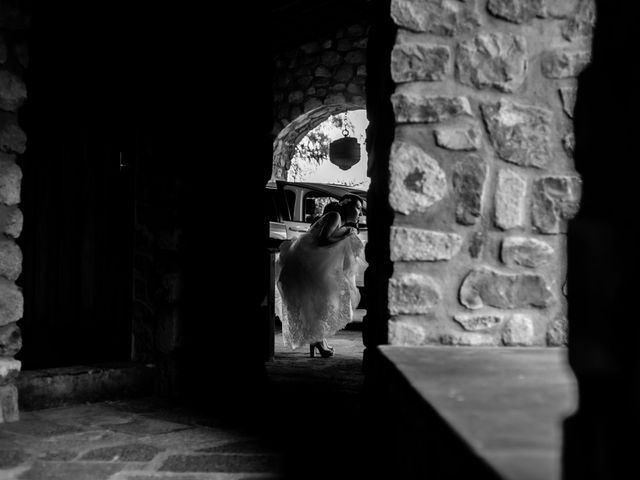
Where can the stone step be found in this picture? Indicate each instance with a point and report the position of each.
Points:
(53, 387)
(467, 412)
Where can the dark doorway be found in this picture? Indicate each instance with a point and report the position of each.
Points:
(77, 194)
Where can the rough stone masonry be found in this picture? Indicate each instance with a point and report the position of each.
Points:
(482, 179)
(313, 81)
(13, 93)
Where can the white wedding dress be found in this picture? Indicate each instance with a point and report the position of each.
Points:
(317, 285)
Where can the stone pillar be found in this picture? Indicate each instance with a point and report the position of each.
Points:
(481, 173)
(13, 93)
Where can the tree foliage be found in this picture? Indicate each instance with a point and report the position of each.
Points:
(314, 146)
(313, 150)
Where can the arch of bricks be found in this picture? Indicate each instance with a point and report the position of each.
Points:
(312, 82)
(286, 141)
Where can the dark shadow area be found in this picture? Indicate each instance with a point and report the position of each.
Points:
(77, 240)
(312, 413)
(600, 438)
(173, 78)
(113, 85)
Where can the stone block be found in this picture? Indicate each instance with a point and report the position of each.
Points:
(10, 181)
(11, 303)
(492, 60)
(564, 63)
(510, 200)
(10, 260)
(475, 323)
(416, 180)
(334, 99)
(554, 200)
(76, 471)
(569, 144)
(476, 244)
(412, 293)
(322, 72)
(295, 97)
(356, 57)
(517, 11)
(415, 61)
(557, 332)
(9, 404)
(12, 138)
(13, 91)
(417, 244)
(561, 8)
(411, 107)
(354, 89)
(11, 221)
(521, 134)
(518, 330)
(9, 370)
(458, 137)
(468, 339)
(344, 73)
(580, 25)
(437, 17)
(361, 42)
(469, 177)
(330, 58)
(130, 452)
(568, 97)
(403, 331)
(526, 252)
(10, 340)
(487, 287)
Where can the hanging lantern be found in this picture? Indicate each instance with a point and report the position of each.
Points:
(344, 152)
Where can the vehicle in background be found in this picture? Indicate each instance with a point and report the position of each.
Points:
(292, 206)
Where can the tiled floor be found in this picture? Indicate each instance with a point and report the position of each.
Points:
(311, 424)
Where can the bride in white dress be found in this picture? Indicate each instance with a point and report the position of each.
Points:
(317, 278)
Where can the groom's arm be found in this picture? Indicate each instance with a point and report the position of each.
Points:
(331, 231)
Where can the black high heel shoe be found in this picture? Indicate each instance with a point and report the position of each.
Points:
(324, 352)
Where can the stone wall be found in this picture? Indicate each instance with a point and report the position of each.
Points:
(481, 174)
(312, 82)
(13, 93)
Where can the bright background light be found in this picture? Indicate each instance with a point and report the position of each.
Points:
(307, 169)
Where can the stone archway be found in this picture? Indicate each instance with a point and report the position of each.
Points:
(314, 81)
(286, 141)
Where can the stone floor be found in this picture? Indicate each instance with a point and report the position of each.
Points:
(311, 427)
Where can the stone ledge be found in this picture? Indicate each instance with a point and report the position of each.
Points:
(494, 413)
(54, 387)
